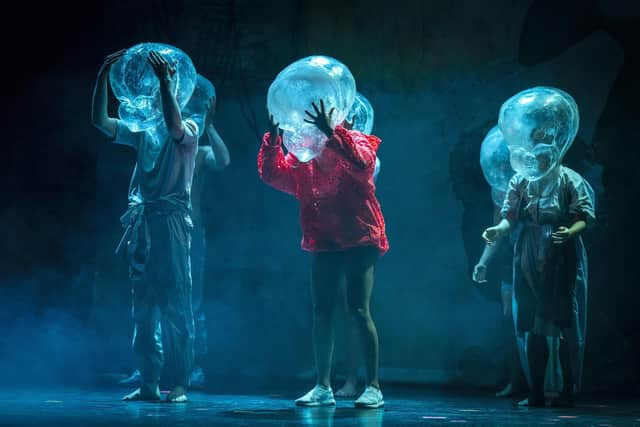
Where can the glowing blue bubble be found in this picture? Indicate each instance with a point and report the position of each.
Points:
(495, 160)
(136, 86)
(306, 142)
(362, 114)
(539, 125)
(498, 196)
(308, 80)
(198, 105)
(495, 164)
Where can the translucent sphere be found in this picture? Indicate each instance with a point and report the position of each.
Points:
(306, 142)
(137, 88)
(362, 114)
(539, 125)
(498, 197)
(198, 105)
(308, 80)
(495, 160)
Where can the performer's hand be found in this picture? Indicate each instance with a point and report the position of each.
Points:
(492, 235)
(275, 131)
(110, 60)
(348, 125)
(322, 120)
(163, 70)
(561, 235)
(480, 273)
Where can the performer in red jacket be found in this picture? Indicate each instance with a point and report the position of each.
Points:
(344, 229)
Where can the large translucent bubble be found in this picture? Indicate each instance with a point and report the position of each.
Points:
(198, 105)
(495, 160)
(498, 196)
(362, 112)
(539, 125)
(305, 81)
(136, 86)
(306, 142)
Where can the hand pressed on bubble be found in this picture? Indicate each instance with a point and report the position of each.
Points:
(348, 125)
(274, 130)
(322, 120)
(161, 67)
(111, 59)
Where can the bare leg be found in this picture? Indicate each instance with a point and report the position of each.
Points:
(326, 272)
(360, 266)
(512, 361)
(566, 396)
(350, 387)
(538, 353)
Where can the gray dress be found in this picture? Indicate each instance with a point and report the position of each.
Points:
(550, 281)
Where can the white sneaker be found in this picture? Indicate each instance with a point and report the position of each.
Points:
(318, 396)
(370, 398)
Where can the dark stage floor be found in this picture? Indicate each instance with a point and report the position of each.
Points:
(404, 407)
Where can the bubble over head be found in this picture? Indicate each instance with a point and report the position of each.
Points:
(495, 160)
(137, 88)
(362, 113)
(498, 196)
(306, 142)
(539, 125)
(198, 105)
(308, 80)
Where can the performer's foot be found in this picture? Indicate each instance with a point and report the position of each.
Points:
(349, 389)
(506, 392)
(563, 400)
(370, 398)
(532, 402)
(197, 378)
(143, 394)
(318, 396)
(177, 395)
(131, 380)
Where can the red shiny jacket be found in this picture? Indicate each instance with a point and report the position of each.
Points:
(336, 191)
